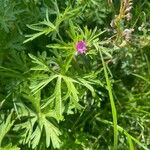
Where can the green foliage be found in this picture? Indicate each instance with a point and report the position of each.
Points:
(5, 127)
(52, 96)
(94, 12)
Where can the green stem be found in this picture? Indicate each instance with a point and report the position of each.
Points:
(113, 108)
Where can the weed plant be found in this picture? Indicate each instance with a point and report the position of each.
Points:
(74, 74)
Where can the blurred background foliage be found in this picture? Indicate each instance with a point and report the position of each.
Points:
(51, 98)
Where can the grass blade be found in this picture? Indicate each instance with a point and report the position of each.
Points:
(113, 108)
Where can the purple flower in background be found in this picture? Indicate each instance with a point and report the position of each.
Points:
(81, 47)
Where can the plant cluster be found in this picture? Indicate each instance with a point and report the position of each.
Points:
(74, 74)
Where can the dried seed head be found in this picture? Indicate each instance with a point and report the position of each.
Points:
(127, 33)
(128, 16)
(128, 9)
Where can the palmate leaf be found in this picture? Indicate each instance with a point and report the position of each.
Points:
(52, 133)
(34, 128)
(49, 27)
(58, 98)
(46, 27)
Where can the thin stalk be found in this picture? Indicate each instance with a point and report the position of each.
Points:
(113, 108)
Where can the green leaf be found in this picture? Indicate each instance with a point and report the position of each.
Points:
(41, 83)
(73, 91)
(87, 85)
(10, 73)
(36, 136)
(59, 46)
(58, 99)
(111, 98)
(5, 127)
(52, 134)
(33, 36)
(41, 65)
(35, 100)
(131, 146)
(10, 147)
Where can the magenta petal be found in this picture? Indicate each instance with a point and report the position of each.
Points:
(81, 47)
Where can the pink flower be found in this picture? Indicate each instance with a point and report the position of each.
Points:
(81, 47)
